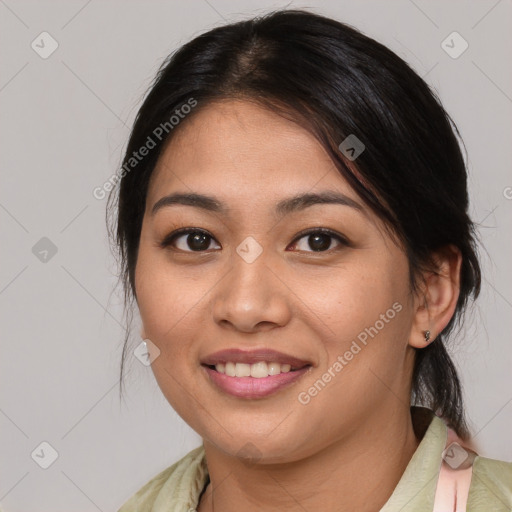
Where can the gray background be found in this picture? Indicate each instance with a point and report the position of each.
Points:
(64, 123)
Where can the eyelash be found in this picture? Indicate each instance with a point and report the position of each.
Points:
(169, 239)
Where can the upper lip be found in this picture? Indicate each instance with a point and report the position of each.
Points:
(236, 355)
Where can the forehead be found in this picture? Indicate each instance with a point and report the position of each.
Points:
(238, 148)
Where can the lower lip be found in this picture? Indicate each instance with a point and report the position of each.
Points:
(250, 387)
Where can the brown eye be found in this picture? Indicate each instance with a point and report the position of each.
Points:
(318, 240)
(189, 240)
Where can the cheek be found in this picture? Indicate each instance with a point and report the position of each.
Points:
(173, 305)
(354, 298)
(165, 297)
(153, 296)
(166, 304)
(366, 317)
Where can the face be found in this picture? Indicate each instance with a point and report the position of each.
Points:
(251, 270)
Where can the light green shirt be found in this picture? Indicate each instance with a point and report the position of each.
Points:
(177, 488)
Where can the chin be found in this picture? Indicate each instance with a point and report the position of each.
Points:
(254, 449)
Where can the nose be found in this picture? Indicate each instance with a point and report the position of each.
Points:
(251, 297)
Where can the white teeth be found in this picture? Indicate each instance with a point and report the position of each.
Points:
(257, 370)
(274, 368)
(242, 370)
(230, 369)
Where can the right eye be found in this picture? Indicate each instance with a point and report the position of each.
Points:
(188, 240)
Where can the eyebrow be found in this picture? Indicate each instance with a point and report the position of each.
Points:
(284, 207)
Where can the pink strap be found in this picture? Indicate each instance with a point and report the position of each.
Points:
(454, 476)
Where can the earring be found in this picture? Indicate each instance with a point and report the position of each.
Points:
(427, 336)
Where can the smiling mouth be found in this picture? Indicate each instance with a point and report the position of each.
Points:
(253, 381)
(259, 370)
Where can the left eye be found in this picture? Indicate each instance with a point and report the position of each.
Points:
(192, 240)
(318, 240)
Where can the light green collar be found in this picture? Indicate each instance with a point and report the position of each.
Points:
(417, 487)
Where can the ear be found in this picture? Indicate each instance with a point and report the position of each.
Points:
(437, 298)
(143, 333)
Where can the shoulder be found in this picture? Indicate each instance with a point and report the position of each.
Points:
(177, 484)
(491, 485)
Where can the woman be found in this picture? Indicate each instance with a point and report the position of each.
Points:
(292, 223)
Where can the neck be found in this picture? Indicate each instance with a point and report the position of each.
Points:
(357, 472)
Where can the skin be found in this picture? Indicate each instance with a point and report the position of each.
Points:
(348, 447)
